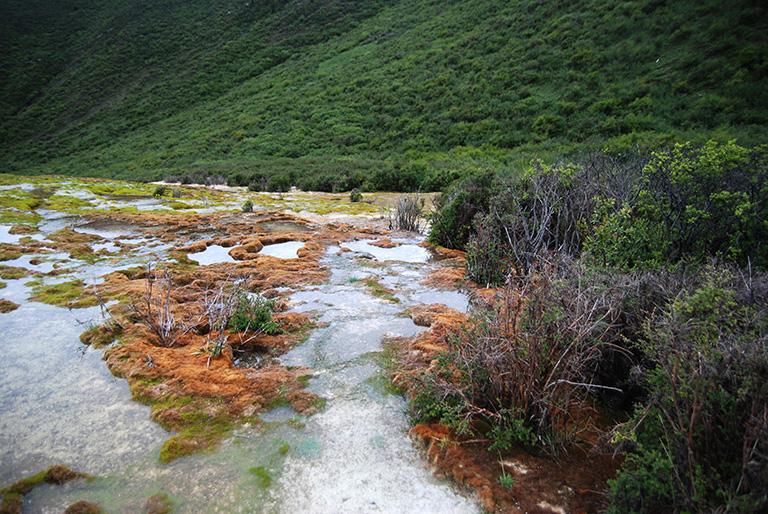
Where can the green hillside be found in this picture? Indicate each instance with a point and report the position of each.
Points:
(387, 94)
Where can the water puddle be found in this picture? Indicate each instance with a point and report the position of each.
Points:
(287, 250)
(283, 226)
(214, 254)
(59, 403)
(111, 229)
(403, 253)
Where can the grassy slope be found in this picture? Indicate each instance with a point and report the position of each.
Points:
(144, 90)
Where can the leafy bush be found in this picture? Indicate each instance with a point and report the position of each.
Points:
(456, 210)
(248, 206)
(355, 196)
(487, 255)
(701, 440)
(253, 313)
(690, 202)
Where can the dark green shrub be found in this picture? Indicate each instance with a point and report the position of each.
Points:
(248, 206)
(688, 202)
(253, 313)
(355, 196)
(456, 210)
(700, 441)
(279, 184)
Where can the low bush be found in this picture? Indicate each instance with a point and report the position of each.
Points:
(253, 314)
(524, 364)
(700, 442)
(689, 202)
(456, 209)
(407, 213)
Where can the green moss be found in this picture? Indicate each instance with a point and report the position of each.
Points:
(11, 503)
(3, 285)
(8, 217)
(203, 435)
(120, 189)
(380, 291)
(67, 203)
(158, 504)
(177, 447)
(134, 273)
(71, 294)
(179, 206)
(20, 201)
(284, 449)
(263, 477)
(7, 306)
(14, 493)
(100, 336)
(67, 235)
(183, 259)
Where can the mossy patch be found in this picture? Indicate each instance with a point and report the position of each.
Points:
(14, 493)
(263, 478)
(7, 306)
(15, 217)
(100, 336)
(69, 236)
(68, 203)
(158, 504)
(200, 422)
(84, 507)
(73, 295)
(380, 291)
(20, 201)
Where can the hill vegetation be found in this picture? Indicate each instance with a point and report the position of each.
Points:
(604, 165)
(332, 94)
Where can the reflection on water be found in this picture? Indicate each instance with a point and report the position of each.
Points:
(403, 253)
(214, 254)
(287, 250)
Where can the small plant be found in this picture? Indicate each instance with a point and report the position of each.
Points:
(506, 480)
(253, 314)
(248, 206)
(355, 196)
(159, 191)
(407, 215)
(154, 309)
